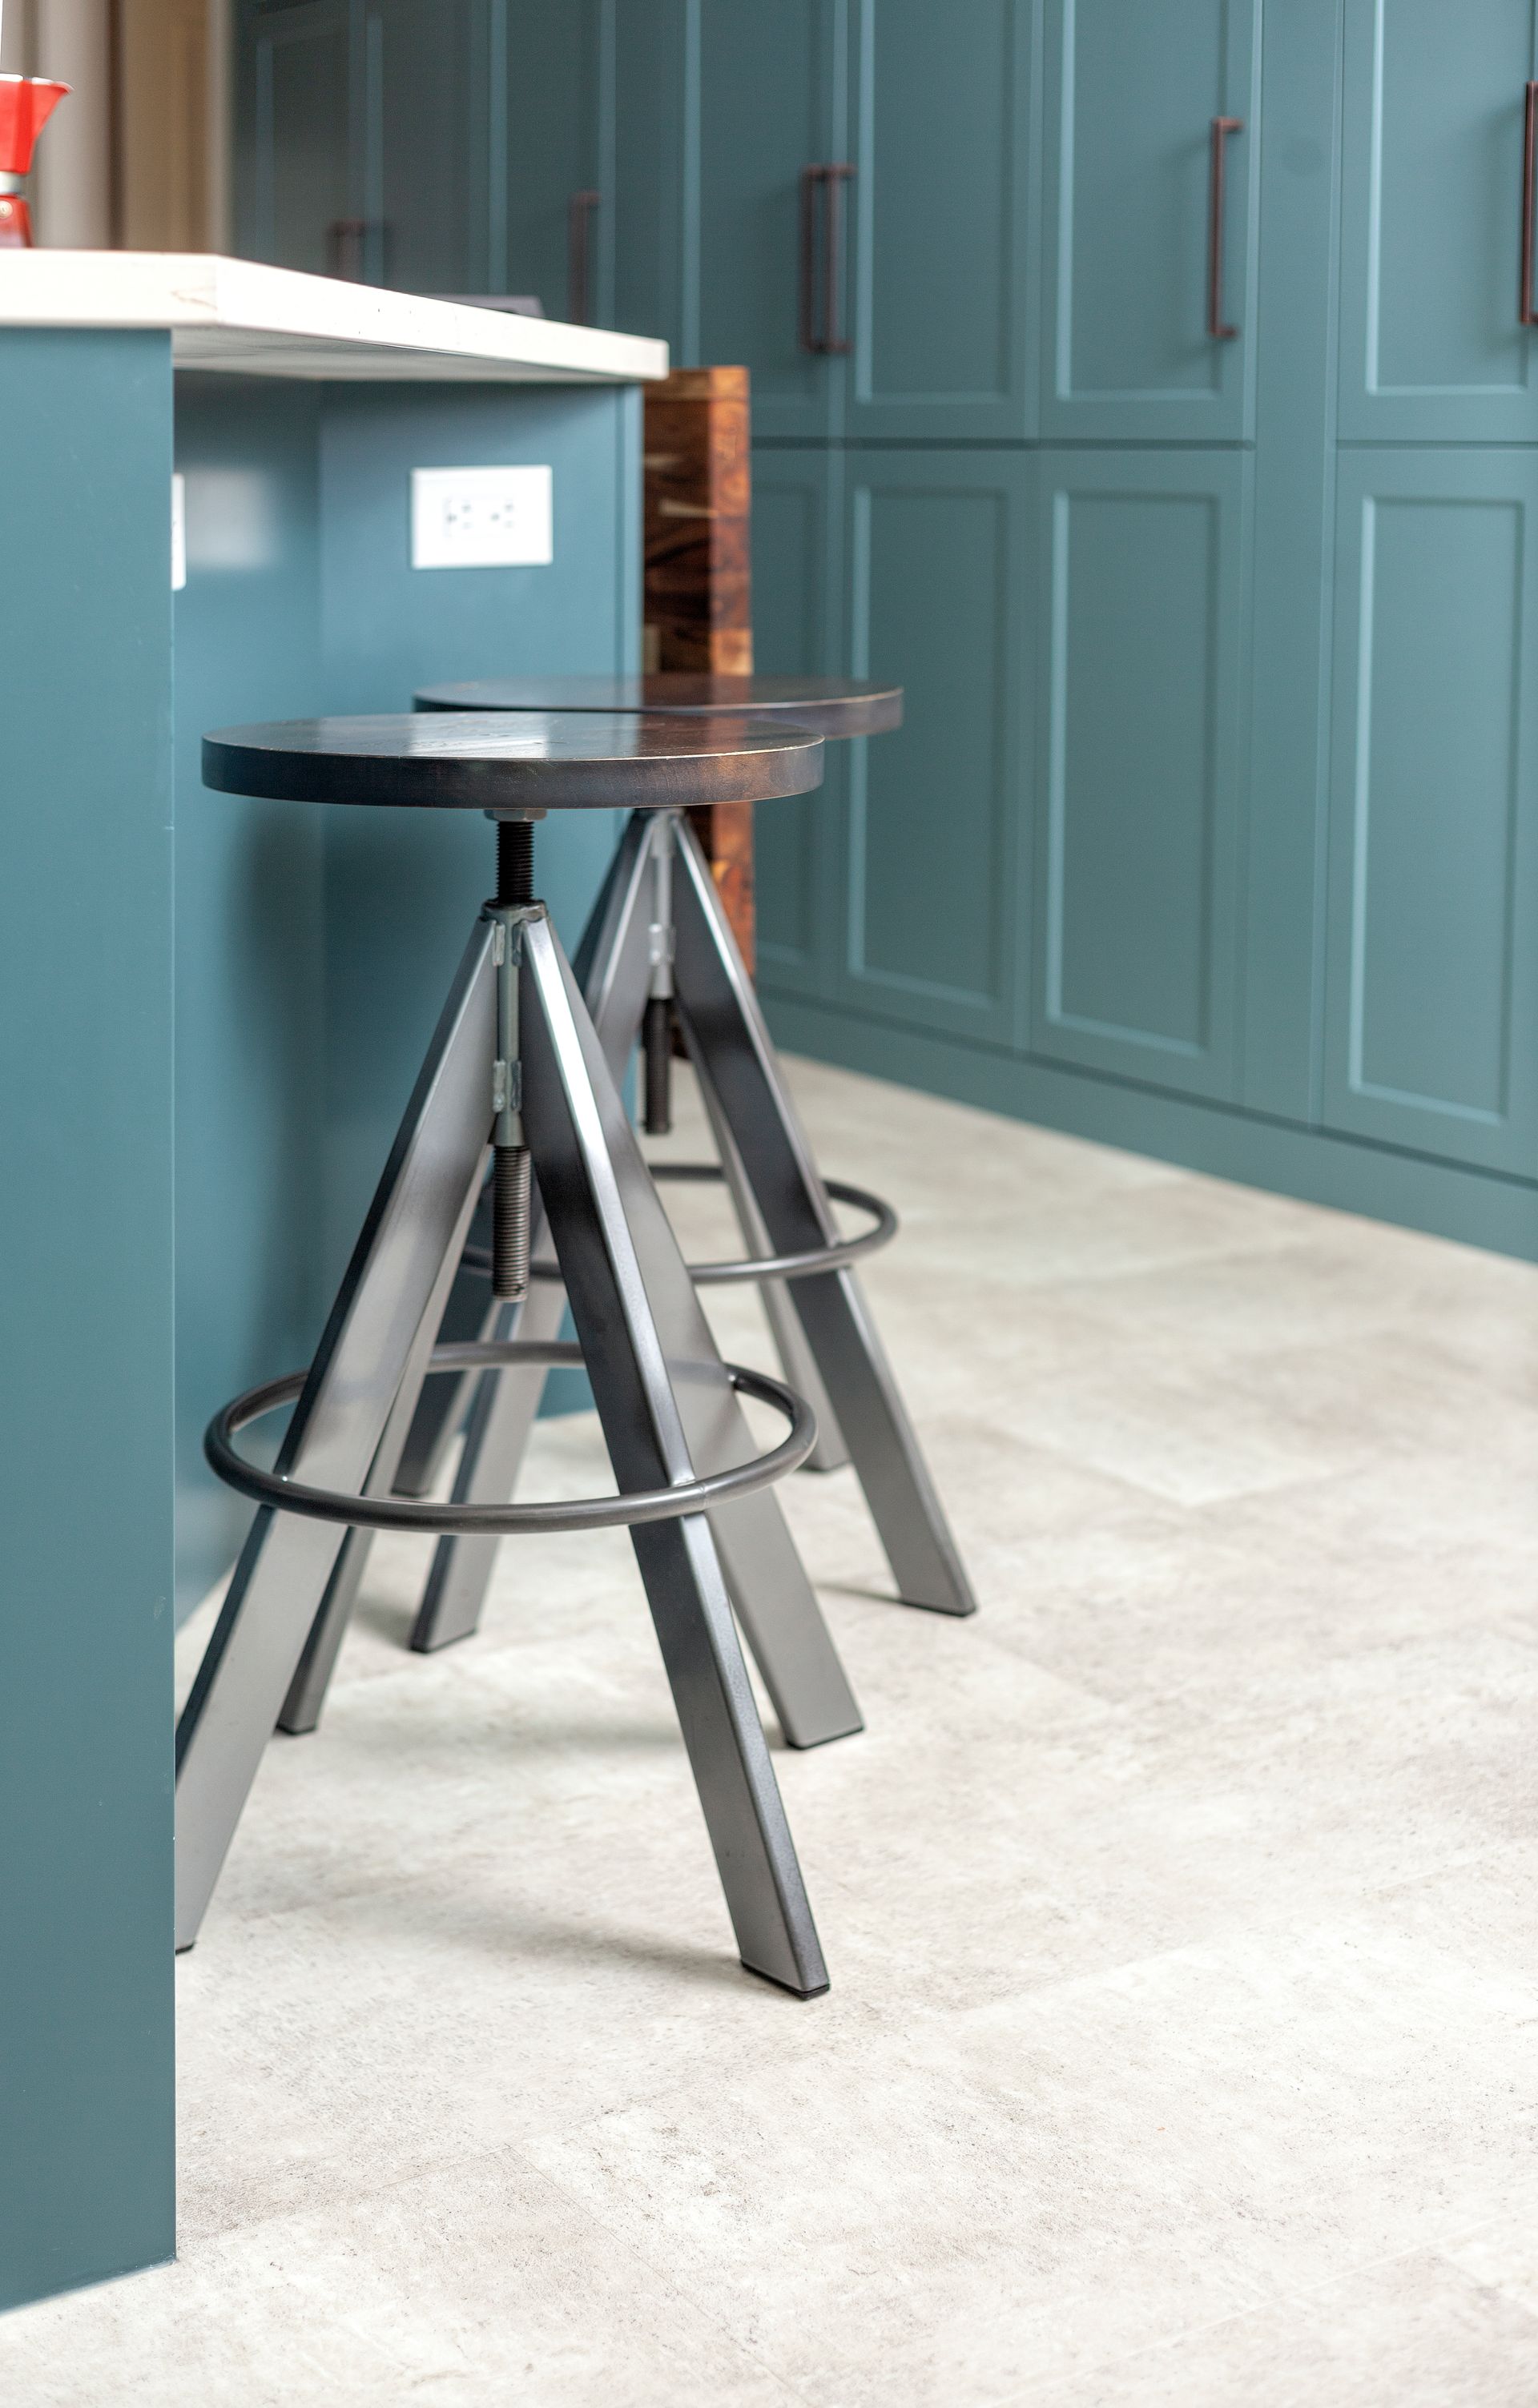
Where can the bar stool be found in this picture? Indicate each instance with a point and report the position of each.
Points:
(516, 1070)
(832, 707)
(658, 942)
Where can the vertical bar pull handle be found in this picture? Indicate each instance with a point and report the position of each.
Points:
(835, 177)
(1222, 127)
(1527, 316)
(578, 238)
(345, 239)
(818, 319)
(806, 328)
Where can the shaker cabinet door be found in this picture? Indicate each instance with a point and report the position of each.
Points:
(1434, 182)
(552, 233)
(942, 270)
(1432, 1001)
(795, 541)
(1153, 152)
(423, 232)
(937, 563)
(354, 151)
(295, 201)
(767, 109)
(1141, 617)
(719, 239)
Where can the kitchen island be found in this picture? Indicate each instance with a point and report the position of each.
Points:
(213, 1010)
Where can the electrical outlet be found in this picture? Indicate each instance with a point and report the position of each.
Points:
(481, 518)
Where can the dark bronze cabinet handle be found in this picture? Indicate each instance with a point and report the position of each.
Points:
(835, 178)
(805, 329)
(1222, 128)
(579, 250)
(1525, 315)
(819, 330)
(344, 249)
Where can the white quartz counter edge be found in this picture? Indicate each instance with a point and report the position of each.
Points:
(232, 314)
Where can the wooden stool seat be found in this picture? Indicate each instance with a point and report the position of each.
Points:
(831, 707)
(527, 762)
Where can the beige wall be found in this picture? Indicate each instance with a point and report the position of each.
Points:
(171, 194)
(137, 156)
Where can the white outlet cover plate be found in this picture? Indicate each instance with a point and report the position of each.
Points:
(481, 518)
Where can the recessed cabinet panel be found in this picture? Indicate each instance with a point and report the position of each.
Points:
(1142, 609)
(356, 152)
(943, 267)
(720, 105)
(1433, 995)
(1133, 349)
(936, 547)
(294, 155)
(551, 243)
(1432, 348)
(795, 847)
(654, 188)
(419, 233)
(766, 98)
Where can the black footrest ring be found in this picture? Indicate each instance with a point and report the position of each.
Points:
(694, 1496)
(830, 1257)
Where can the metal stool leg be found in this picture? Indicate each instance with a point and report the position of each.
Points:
(442, 1406)
(796, 1361)
(501, 1417)
(654, 1372)
(728, 1036)
(416, 1221)
(301, 1707)
(611, 967)
(472, 1311)
(768, 1585)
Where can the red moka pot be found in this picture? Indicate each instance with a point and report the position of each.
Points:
(26, 103)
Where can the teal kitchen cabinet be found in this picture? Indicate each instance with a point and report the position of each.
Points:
(1135, 97)
(1432, 990)
(423, 173)
(1116, 871)
(766, 87)
(357, 150)
(942, 277)
(1432, 348)
(549, 230)
(937, 548)
(725, 102)
(891, 295)
(293, 152)
(434, 145)
(1142, 614)
(796, 589)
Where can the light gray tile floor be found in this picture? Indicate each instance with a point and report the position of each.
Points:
(1181, 1907)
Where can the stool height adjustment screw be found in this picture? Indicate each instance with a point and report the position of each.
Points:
(657, 1034)
(512, 1186)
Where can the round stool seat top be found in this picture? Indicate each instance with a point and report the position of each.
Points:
(491, 761)
(831, 706)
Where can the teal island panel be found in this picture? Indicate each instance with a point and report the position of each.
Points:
(86, 1399)
(213, 1010)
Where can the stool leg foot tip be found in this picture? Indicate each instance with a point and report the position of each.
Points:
(791, 1989)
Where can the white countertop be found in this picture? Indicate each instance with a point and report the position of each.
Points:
(253, 320)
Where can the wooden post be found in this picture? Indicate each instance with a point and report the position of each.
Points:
(698, 585)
